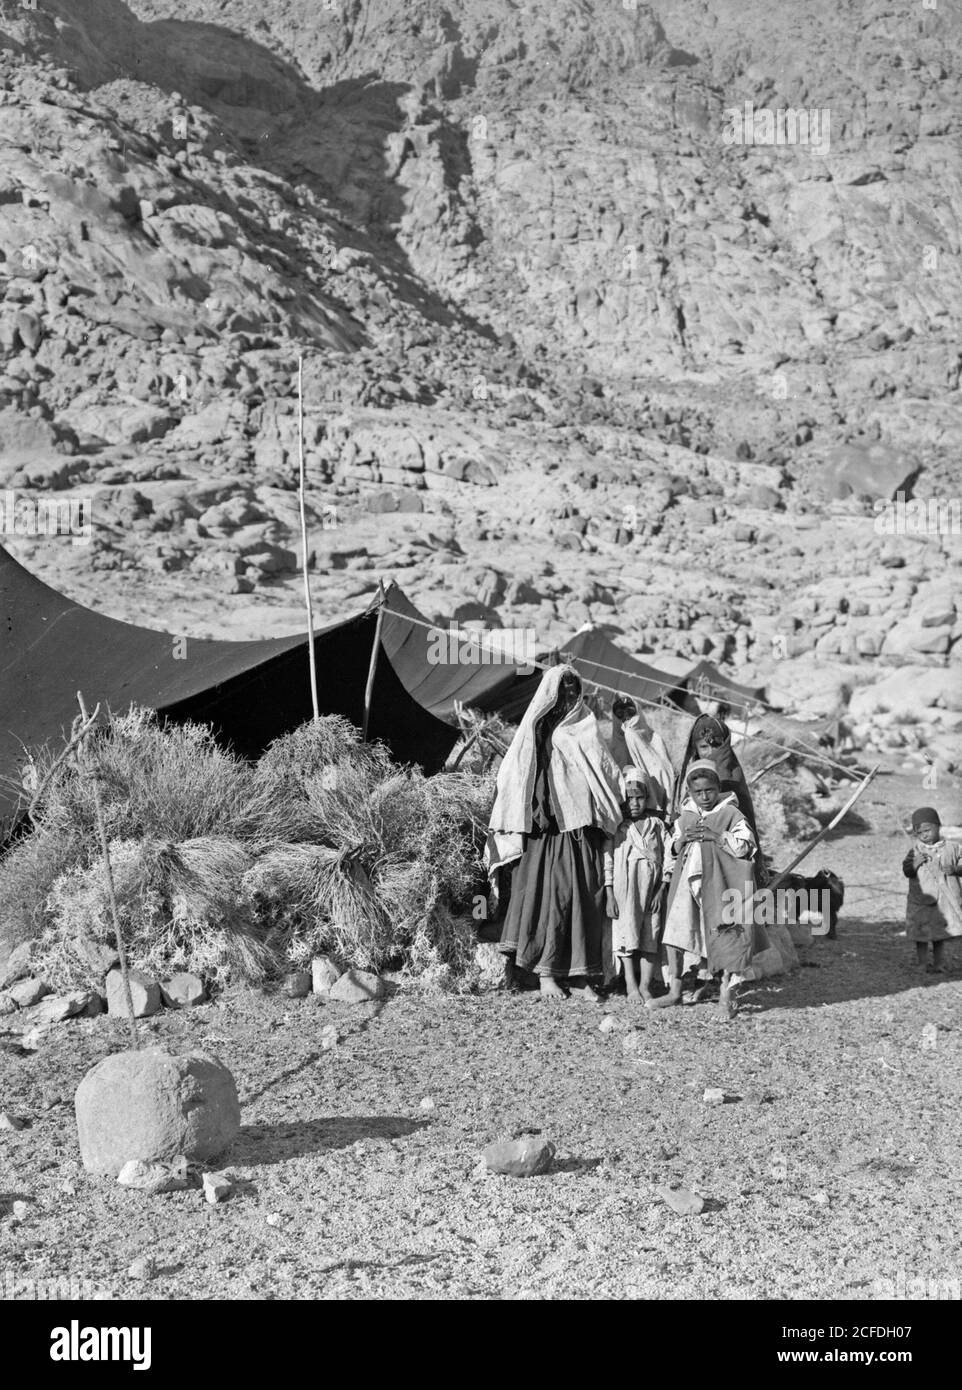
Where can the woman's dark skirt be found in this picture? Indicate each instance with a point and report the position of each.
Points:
(555, 919)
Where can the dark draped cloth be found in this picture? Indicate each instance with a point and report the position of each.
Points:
(555, 918)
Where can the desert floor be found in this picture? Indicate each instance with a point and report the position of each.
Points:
(827, 1170)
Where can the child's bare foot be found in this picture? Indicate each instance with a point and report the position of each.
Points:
(635, 996)
(587, 991)
(550, 989)
(665, 1001)
(726, 1006)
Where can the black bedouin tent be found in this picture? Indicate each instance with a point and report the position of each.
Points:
(250, 692)
(599, 661)
(441, 665)
(701, 680)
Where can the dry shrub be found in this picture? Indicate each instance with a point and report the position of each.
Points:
(181, 907)
(784, 815)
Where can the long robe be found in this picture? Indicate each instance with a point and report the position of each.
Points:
(699, 920)
(933, 911)
(634, 861)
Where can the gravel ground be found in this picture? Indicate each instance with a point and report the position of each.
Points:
(824, 1172)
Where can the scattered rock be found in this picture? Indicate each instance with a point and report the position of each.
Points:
(16, 966)
(154, 1178)
(55, 1008)
(357, 987)
(8, 1121)
(154, 1106)
(26, 992)
(143, 1268)
(519, 1158)
(217, 1187)
(324, 974)
(714, 1096)
(427, 1104)
(610, 1024)
(144, 993)
(7, 1005)
(183, 991)
(328, 1037)
(682, 1201)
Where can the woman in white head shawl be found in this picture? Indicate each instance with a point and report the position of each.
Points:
(558, 798)
(634, 741)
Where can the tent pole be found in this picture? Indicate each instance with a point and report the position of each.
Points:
(375, 650)
(780, 878)
(303, 510)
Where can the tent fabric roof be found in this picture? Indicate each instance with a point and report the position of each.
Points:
(599, 660)
(703, 678)
(250, 692)
(410, 642)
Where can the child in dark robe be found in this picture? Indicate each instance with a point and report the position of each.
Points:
(933, 867)
(711, 738)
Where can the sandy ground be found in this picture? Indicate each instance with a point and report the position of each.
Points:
(830, 1168)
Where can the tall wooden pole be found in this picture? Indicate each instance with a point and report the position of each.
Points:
(302, 485)
(375, 650)
(780, 878)
(111, 893)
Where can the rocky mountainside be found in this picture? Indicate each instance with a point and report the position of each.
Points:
(580, 343)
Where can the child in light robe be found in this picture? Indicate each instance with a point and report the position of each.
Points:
(634, 858)
(709, 913)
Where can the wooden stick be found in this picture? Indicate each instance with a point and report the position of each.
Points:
(756, 777)
(375, 650)
(302, 502)
(111, 894)
(75, 740)
(780, 878)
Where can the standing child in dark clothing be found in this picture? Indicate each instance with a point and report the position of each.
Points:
(933, 867)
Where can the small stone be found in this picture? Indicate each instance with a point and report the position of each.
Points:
(273, 1219)
(324, 974)
(16, 966)
(633, 1041)
(714, 1096)
(609, 1024)
(8, 1121)
(7, 1005)
(56, 1008)
(143, 1268)
(183, 991)
(357, 987)
(298, 984)
(19, 1211)
(153, 1178)
(682, 1201)
(328, 1037)
(27, 992)
(217, 1187)
(427, 1104)
(144, 993)
(519, 1158)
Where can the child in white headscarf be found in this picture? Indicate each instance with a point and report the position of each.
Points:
(634, 741)
(559, 797)
(933, 867)
(633, 873)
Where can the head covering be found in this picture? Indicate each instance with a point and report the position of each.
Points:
(634, 777)
(725, 763)
(634, 741)
(702, 767)
(925, 815)
(583, 778)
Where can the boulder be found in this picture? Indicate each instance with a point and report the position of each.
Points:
(183, 991)
(153, 1106)
(27, 992)
(357, 987)
(324, 974)
(217, 1187)
(682, 1201)
(55, 1008)
(144, 993)
(16, 966)
(519, 1158)
(298, 984)
(100, 957)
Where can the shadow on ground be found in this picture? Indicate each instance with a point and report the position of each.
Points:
(260, 1144)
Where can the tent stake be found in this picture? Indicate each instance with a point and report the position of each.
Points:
(302, 483)
(375, 649)
(111, 894)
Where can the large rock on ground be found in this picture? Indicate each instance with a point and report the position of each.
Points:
(324, 974)
(16, 966)
(357, 987)
(144, 994)
(519, 1158)
(152, 1106)
(183, 991)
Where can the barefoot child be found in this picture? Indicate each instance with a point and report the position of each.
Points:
(711, 853)
(633, 867)
(933, 867)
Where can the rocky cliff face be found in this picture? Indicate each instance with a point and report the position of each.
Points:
(586, 337)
